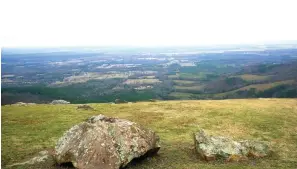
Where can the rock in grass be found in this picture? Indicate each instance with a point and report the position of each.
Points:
(217, 147)
(23, 104)
(60, 102)
(85, 107)
(105, 142)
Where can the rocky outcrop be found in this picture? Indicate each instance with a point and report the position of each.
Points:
(105, 142)
(23, 104)
(60, 102)
(85, 107)
(217, 147)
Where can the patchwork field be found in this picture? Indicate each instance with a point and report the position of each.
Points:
(28, 130)
(89, 76)
(250, 77)
(183, 82)
(180, 95)
(191, 76)
(259, 87)
(189, 88)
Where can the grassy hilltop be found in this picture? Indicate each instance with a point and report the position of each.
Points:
(28, 130)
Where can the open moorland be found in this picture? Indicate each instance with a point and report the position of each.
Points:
(26, 130)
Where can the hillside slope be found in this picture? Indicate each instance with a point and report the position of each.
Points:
(28, 130)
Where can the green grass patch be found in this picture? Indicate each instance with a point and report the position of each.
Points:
(27, 130)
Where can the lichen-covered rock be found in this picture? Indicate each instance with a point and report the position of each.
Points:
(23, 104)
(41, 157)
(60, 102)
(105, 142)
(217, 147)
(85, 107)
(255, 149)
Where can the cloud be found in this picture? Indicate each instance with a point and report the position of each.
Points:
(141, 23)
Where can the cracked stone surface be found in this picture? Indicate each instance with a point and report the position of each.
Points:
(105, 142)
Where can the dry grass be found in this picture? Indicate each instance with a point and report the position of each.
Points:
(30, 129)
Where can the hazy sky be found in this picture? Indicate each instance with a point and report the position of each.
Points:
(141, 23)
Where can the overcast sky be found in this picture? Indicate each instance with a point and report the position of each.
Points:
(142, 23)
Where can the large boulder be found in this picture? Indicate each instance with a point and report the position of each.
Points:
(105, 142)
(217, 147)
(60, 102)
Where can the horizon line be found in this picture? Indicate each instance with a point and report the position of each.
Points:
(280, 42)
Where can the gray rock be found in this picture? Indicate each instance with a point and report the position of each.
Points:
(105, 142)
(60, 102)
(23, 104)
(256, 149)
(217, 147)
(41, 157)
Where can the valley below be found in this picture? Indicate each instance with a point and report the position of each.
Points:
(102, 75)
